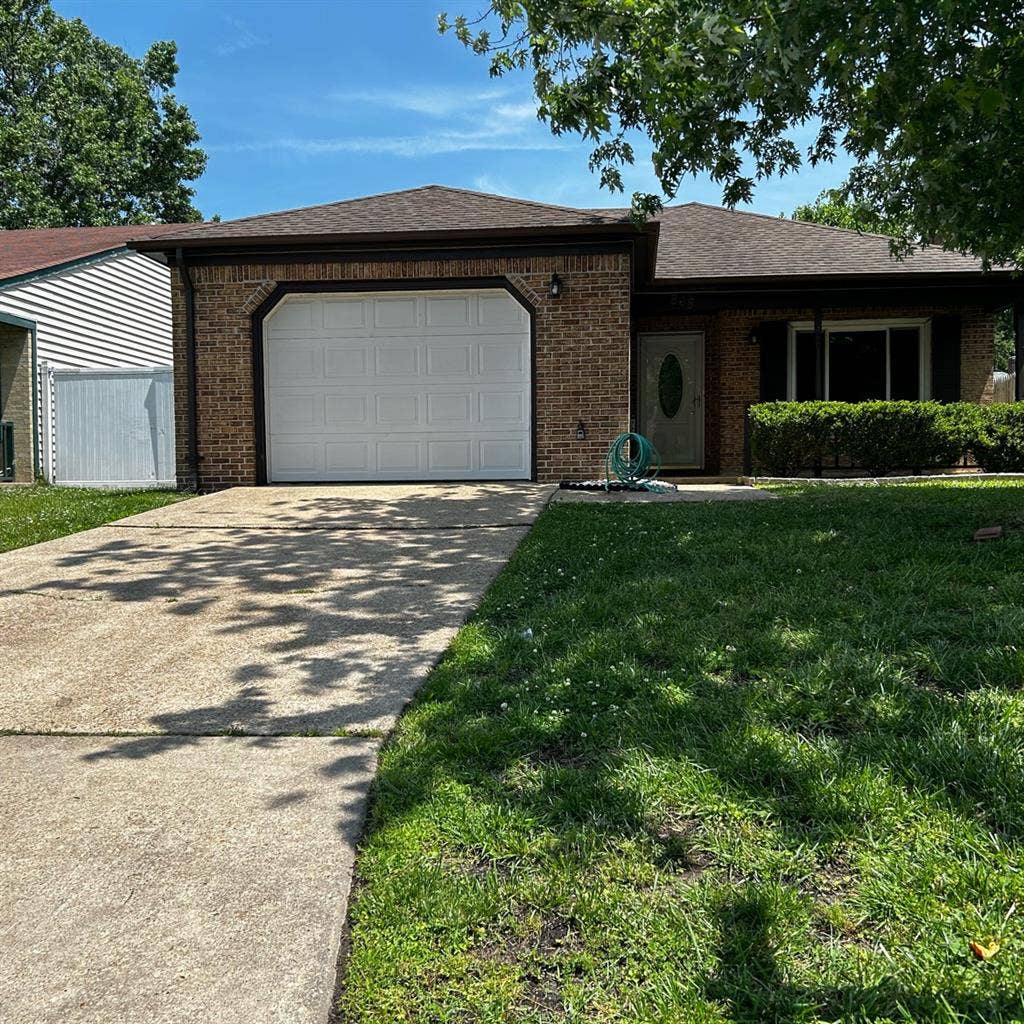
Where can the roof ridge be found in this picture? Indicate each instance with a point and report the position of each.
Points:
(308, 206)
(792, 220)
(404, 191)
(518, 199)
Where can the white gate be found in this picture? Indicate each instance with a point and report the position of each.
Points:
(107, 427)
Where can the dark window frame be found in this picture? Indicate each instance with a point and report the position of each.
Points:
(889, 325)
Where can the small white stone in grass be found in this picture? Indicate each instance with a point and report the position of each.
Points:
(729, 647)
(593, 703)
(583, 735)
(504, 706)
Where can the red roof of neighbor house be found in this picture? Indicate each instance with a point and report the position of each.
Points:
(28, 250)
(694, 241)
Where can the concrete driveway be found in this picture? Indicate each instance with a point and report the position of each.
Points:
(200, 692)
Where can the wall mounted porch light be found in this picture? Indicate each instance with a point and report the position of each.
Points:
(555, 289)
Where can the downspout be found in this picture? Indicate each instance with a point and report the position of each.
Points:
(36, 439)
(190, 371)
(1018, 350)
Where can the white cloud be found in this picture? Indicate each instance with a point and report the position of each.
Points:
(394, 145)
(243, 39)
(496, 186)
(430, 101)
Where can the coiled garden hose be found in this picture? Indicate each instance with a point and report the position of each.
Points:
(634, 461)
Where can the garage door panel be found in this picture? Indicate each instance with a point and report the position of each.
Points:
(507, 358)
(343, 362)
(296, 410)
(344, 314)
(499, 309)
(504, 409)
(397, 411)
(399, 386)
(296, 362)
(449, 311)
(395, 312)
(399, 457)
(449, 410)
(453, 457)
(505, 456)
(297, 459)
(449, 360)
(346, 456)
(296, 316)
(348, 411)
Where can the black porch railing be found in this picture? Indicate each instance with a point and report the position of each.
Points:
(6, 450)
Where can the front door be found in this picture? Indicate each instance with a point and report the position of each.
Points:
(671, 409)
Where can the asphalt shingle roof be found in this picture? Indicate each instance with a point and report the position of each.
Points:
(696, 242)
(431, 208)
(700, 242)
(28, 250)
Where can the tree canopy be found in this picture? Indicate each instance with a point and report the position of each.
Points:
(833, 209)
(924, 95)
(88, 134)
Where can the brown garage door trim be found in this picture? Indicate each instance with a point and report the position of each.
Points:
(391, 285)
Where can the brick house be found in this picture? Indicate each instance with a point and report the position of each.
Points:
(437, 333)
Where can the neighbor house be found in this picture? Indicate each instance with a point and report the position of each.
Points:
(440, 334)
(73, 298)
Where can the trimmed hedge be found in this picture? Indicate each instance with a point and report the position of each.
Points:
(881, 437)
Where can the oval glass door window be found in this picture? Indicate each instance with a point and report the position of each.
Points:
(670, 386)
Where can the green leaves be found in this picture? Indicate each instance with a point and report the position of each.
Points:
(788, 437)
(88, 134)
(922, 95)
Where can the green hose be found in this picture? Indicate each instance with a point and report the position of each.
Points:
(634, 461)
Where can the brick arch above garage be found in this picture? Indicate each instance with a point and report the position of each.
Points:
(581, 350)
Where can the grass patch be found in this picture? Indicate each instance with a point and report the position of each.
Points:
(29, 515)
(704, 763)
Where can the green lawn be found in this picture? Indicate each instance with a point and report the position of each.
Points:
(756, 762)
(29, 515)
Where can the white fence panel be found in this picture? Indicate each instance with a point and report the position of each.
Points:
(113, 427)
(1003, 386)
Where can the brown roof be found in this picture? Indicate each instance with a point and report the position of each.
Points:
(697, 241)
(29, 250)
(434, 209)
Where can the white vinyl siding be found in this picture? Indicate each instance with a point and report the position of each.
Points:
(112, 311)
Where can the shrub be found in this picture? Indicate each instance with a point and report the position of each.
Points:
(999, 443)
(787, 437)
(958, 424)
(883, 436)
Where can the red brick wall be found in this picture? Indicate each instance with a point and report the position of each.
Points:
(732, 376)
(582, 352)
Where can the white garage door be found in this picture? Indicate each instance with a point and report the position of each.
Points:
(431, 385)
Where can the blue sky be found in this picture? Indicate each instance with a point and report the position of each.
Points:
(302, 102)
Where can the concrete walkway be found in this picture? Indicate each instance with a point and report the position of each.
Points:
(202, 689)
